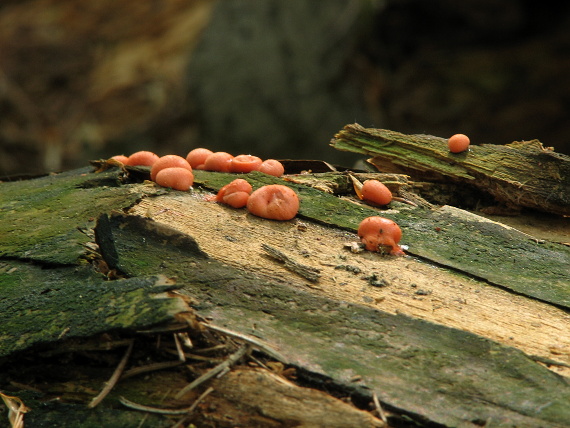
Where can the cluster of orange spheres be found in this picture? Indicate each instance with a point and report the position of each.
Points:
(176, 172)
(276, 202)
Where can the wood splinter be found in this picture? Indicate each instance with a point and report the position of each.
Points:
(308, 272)
(132, 405)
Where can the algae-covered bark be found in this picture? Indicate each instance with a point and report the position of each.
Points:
(47, 291)
(449, 236)
(41, 306)
(445, 375)
(434, 372)
(42, 219)
(518, 174)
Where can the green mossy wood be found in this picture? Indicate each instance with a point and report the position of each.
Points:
(45, 220)
(42, 306)
(448, 236)
(436, 373)
(520, 174)
(48, 291)
(440, 374)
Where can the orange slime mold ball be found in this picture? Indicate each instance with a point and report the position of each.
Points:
(458, 143)
(379, 233)
(168, 161)
(197, 157)
(235, 194)
(376, 192)
(272, 167)
(274, 202)
(218, 161)
(245, 163)
(176, 178)
(143, 158)
(121, 158)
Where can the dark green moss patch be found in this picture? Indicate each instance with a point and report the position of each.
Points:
(45, 305)
(41, 219)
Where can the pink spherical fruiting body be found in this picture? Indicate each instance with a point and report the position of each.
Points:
(176, 178)
(235, 194)
(458, 143)
(218, 161)
(197, 157)
(376, 192)
(142, 158)
(168, 161)
(275, 202)
(380, 234)
(245, 163)
(272, 167)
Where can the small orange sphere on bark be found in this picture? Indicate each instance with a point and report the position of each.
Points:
(380, 234)
(168, 161)
(218, 161)
(197, 157)
(121, 158)
(142, 158)
(235, 194)
(272, 167)
(175, 177)
(458, 143)
(376, 192)
(245, 163)
(275, 202)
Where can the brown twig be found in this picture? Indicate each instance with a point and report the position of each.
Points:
(548, 361)
(248, 339)
(308, 272)
(189, 356)
(378, 407)
(132, 405)
(179, 350)
(231, 360)
(16, 410)
(183, 422)
(151, 368)
(215, 348)
(114, 378)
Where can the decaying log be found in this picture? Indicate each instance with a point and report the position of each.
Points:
(520, 174)
(370, 323)
(449, 236)
(423, 367)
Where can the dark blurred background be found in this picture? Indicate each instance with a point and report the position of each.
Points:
(84, 80)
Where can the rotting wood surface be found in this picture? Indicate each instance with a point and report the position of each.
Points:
(391, 284)
(520, 174)
(48, 290)
(448, 236)
(442, 374)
